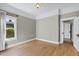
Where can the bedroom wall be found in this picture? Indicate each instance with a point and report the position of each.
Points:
(47, 28)
(26, 30)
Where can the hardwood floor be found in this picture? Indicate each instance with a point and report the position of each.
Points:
(40, 48)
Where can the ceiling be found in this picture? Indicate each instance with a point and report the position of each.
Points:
(45, 7)
(31, 10)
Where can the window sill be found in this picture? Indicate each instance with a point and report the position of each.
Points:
(10, 39)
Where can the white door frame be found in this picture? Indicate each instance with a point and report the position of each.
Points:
(2, 30)
(62, 30)
(75, 29)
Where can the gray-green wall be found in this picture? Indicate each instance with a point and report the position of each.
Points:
(47, 28)
(26, 30)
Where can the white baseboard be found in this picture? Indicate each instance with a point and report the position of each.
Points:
(40, 40)
(47, 41)
(31, 40)
(20, 43)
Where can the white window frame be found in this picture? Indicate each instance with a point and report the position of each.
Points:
(15, 29)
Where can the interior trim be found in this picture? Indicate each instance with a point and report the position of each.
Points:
(19, 43)
(47, 41)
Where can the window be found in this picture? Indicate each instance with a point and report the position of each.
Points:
(10, 28)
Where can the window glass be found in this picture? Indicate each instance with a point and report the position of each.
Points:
(10, 29)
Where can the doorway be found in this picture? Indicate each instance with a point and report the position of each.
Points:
(67, 31)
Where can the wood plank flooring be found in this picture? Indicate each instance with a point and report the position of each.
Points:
(40, 48)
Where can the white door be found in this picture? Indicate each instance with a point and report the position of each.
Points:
(67, 30)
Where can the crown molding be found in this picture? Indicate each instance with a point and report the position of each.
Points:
(13, 10)
(55, 12)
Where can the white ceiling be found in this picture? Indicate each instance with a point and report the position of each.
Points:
(30, 9)
(45, 7)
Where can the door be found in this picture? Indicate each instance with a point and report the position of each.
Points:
(67, 30)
